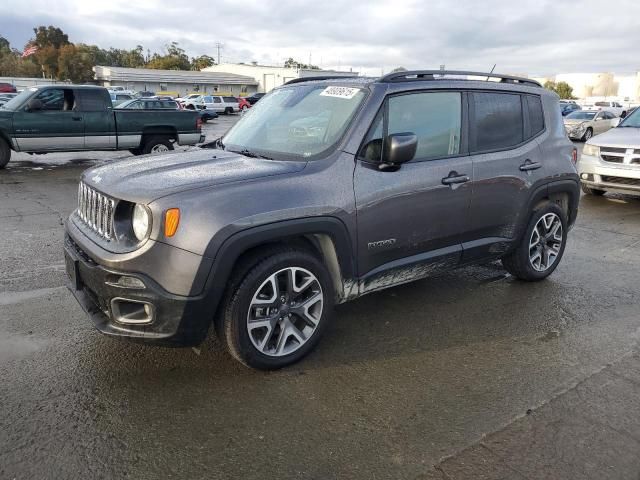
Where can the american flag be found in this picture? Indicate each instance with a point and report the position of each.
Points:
(29, 51)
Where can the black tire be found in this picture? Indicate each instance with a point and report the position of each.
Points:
(5, 153)
(228, 111)
(156, 141)
(588, 134)
(245, 108)
(135, 151)
(232, 325)
(592, 191)
(190, 107)
(518, 262)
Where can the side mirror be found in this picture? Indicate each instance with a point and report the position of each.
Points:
(34, 105)
(615, 122)
(400, 148)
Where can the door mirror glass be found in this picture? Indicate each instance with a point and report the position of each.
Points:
(34, 105)
(400, 148)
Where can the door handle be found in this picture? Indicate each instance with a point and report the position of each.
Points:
(455, 178)
(528, 165)
(77, 119)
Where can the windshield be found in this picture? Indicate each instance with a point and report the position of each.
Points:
(581, 115)
(632, 120)
(296, 122)
(15, 102)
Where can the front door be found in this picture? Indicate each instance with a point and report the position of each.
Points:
(507, 165)
(53, 123)
(410, 219)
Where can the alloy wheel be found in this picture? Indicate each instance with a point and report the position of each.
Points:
(545, 242)
(160, 148)
(285, 311)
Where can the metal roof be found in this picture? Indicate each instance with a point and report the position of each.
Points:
(170, 76)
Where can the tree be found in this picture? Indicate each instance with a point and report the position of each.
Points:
(203, 61)
(50, 37)
(291, 63)
(75, 64)
(174, 59)
(563, 89)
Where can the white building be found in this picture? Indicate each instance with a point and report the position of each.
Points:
(605, 85)
(269, 77)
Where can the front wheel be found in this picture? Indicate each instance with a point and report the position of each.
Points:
(5, 153)
(587, 135)
(278, 311)
(541, 247)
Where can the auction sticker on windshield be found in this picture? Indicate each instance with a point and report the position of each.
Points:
(340, 92)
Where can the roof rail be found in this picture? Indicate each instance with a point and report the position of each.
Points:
(426, 75)
(319, 77)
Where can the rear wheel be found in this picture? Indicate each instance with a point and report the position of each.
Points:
(592, 191)
(5, 153)
(228, 110)
(541, 247)
(157, 144)
(276, 314)
(245, 108)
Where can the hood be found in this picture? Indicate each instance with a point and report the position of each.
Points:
(574, 121)
(624, 137)
(145, 179)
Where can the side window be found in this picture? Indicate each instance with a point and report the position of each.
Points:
(208, 99)
(57, 99)
(496, 121)
(217, 100)
(435, 118)
(230, 99)
(93, 100)
(534, 112)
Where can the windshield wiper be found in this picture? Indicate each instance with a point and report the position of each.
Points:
(250, 154)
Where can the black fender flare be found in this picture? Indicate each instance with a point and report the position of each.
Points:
(233, 247)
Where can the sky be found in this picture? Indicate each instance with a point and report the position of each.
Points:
(536, 38)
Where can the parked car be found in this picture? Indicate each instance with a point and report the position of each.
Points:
(150, 103)
(75, 118)
(5, 97)
(611, 162)
(7, 88)
(567, 108)
(145, 93)
(189, 97)
(584, 124)
(216, 103)
(243, 104)
(394, 179)
(118, 98)
(255, 97)
(608, 106)
(207, 115)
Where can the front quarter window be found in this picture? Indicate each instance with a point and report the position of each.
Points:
(301, 122)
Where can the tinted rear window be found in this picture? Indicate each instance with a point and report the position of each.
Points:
(230, 99)
(536, 117)
(497, 121)
(93, 100)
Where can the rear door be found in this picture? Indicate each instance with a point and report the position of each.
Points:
(507, 165)
(57, 126)
(99, 121)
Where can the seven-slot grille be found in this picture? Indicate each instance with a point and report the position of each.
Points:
(96, 210)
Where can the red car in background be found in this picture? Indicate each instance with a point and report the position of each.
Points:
(7, 88)
(243, 104)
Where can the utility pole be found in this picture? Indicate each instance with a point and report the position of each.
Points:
(218, 46)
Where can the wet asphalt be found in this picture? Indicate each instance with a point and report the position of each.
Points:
(471, 374)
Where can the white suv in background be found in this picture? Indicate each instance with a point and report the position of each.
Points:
(611, 162)
(218, 104)
(607, 106)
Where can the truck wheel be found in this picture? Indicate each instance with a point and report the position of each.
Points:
(592, 191)
(157, 145)
(5, 153)
(541, 247)
(228, 111)
(277, 312)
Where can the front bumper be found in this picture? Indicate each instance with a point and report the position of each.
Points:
(598, 174)
(175, 320)
(575, 133)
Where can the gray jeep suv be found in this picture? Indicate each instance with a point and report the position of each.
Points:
(328, 189)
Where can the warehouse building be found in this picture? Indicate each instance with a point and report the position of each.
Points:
(175, 82)
(269, 77)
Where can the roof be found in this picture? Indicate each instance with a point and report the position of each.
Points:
(170, 76)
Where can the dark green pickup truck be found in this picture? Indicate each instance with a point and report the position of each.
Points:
(68, 118)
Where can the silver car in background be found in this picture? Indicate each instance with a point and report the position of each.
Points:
(584, 124)
(611, 162)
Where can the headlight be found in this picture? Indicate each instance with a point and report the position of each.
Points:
(141, 222)
(591, 150)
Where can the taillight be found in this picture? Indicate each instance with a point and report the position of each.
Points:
(574, 156)
(198, 123)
